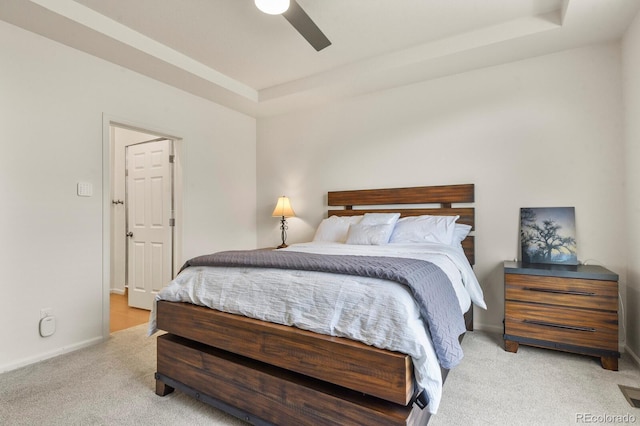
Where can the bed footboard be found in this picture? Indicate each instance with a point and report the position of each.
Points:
(263, 394)
(335, 360)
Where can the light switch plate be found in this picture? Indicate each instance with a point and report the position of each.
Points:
(85, 189)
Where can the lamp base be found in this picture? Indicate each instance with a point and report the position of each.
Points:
(282, 246)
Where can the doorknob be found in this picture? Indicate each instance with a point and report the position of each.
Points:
(130, 234)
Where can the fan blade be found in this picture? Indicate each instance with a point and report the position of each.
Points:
(305, 26)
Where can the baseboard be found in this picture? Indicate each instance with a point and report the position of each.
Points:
(120, 291)
(51, 354)
(634, 356)
(488, 328)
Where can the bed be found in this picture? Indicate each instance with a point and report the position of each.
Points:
(269, 373)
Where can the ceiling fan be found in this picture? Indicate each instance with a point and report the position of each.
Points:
(297, 17)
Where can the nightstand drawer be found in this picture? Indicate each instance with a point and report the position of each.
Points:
(579, 327)
(574, 292)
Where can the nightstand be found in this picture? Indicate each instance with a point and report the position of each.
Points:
(562, 307)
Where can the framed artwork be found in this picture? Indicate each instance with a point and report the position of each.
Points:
(548, 235)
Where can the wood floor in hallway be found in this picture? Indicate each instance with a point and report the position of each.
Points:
(123, 316)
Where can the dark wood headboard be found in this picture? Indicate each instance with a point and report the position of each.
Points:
(437, 200)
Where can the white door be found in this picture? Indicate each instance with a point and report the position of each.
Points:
(149, 205)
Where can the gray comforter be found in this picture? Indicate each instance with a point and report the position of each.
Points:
(429, 285)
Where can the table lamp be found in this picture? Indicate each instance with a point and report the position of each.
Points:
(283, 209)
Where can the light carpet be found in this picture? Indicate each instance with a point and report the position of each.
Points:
(112, 383)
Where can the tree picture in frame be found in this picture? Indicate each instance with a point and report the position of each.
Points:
(548, 235)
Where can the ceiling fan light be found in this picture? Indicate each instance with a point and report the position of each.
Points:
(272, 7)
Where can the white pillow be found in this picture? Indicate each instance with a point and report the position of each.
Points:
(460, 232)
(335, 228)
(380, 218)
(424, 229)
(369, 234)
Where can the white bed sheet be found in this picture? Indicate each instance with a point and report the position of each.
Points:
(374, 311)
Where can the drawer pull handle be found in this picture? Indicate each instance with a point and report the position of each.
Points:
(567, 327)
(569, 292)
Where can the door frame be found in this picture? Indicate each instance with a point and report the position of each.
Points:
(107, 166)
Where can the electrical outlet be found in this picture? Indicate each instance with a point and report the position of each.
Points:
(46, 312)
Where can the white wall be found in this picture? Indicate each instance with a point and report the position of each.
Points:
(52, 101)
(540, 132)
(631, 86)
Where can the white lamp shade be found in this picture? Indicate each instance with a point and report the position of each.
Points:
(272, 7)
(283, 208)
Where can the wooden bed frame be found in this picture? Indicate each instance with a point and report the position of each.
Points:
(267, 373)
